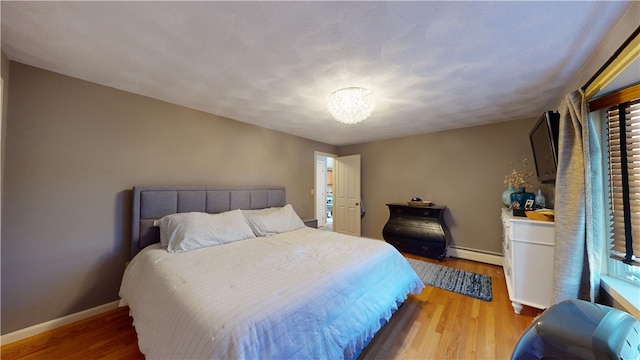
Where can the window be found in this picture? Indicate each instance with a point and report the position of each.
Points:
(623, 164)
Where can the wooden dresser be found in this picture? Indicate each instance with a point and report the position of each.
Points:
(418, 230)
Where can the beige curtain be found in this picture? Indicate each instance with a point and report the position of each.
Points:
(579, 212)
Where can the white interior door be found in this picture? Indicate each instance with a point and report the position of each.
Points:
(346, 195)
(321, 193)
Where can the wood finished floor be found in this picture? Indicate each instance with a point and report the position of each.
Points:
(435, 324)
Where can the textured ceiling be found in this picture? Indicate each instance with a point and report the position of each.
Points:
(432, 65)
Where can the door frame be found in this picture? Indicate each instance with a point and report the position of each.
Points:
(321, 191)
(316, 156)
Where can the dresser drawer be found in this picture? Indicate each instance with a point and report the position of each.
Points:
(533, 231)
(409, 230)
(508, 273)
(418, 247)
(506, 223)
(414, 211)
(506, 240)
(506, 251)
(414, 221)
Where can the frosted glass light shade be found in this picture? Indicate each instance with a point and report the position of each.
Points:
(351, 105)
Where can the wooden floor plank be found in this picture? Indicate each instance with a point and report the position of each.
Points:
(436, 324)
(467, 328)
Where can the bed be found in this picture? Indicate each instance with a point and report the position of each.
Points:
(285, 291)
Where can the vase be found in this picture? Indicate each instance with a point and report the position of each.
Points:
(506, 195)
(519, 198)
(540, 200)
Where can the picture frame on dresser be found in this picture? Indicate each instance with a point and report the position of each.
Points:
(528, 205)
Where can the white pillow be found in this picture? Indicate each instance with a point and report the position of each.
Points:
(274, 220)
(188, 231)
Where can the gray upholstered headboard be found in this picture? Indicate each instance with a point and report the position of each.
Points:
(150, 203)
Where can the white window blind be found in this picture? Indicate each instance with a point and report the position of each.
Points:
(623, 136)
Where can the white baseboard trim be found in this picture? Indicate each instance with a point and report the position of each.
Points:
(475, 255)
(56, 323)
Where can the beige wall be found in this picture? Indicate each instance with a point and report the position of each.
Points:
(74, 150)
(463, 169)
(5, 96)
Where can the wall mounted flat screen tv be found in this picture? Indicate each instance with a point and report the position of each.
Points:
(544, 143)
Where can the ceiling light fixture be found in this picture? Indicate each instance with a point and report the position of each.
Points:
(351, 105)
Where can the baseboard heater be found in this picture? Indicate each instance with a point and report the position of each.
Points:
(487, 257)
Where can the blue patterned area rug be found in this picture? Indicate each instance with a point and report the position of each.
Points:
(459, 281)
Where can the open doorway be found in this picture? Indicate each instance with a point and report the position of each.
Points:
(324, 190)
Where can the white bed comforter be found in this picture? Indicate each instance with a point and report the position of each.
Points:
(303, 294)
